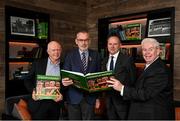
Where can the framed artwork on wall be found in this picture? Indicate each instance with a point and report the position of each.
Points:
(22, 26)
(159, 27)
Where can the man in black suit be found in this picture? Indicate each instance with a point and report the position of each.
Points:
(152, 96)
(80, 103)
(125, 71)
(45, 109)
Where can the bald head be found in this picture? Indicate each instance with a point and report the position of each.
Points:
(54, 50)
(52, 44)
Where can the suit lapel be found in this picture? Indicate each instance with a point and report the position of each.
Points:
(90, 58)
(118, 61)
(149, 69)
(78, 60)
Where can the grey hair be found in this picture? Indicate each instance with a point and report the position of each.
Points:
(150, 40)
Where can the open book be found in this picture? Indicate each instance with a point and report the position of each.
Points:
(91, 82)
(47, 87)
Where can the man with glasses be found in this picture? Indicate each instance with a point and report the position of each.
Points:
(82, 59)
(152, 96)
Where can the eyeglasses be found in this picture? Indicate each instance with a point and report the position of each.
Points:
(81, 40)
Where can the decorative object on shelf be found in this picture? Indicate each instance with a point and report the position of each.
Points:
(159, 27)
(22, 26)
(42, 30)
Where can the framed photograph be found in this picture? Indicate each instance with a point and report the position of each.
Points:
(159, 27)
(22, 26)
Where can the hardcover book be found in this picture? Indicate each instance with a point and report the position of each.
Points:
(91, 82)
(163, 51)
(47, 87)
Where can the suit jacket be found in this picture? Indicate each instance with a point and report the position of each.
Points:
(73, 63)
(125, 71)
(152, 96)
(38, 67)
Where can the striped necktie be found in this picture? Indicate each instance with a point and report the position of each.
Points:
(84, 63)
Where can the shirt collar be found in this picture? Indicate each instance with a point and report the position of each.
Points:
(115, 55)
(152, 62)
(50, 62)
(86, 52)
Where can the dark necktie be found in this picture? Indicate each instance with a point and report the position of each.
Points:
(84, 63)
(111, 63)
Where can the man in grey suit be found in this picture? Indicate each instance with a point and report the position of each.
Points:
(152, 96)
(125, 71)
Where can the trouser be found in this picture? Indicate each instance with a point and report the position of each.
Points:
(81, 111)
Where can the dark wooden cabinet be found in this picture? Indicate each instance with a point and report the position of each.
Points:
(27, 35)
(132, 28)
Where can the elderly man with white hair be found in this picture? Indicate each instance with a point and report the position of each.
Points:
(152, 96)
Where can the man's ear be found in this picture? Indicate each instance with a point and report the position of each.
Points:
(76, 41)
(47, 51)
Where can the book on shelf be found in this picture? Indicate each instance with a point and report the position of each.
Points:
(165, 51)
(133, 31)
(117, 30)
(47, 87)
(91, 82)
(37, 52)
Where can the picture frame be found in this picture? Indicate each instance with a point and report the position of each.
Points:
(159, 27)
(22, 26)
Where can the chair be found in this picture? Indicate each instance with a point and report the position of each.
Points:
(11, 114)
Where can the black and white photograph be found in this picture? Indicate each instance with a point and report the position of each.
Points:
(22, 26)
(159, 27)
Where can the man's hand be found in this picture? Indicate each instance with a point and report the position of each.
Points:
(34, 95)
(98, 103)
(115, 84)
(59, 98)
(67, 81)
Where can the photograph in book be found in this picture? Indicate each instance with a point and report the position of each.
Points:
(159, 27)
(47, 87)
(91, 82)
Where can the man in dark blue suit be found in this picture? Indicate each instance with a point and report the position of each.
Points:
(152, 96)
(81, 104)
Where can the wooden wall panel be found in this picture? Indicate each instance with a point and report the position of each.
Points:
(70, 16)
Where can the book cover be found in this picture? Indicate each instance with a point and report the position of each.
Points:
(47, 87)
(133, 31)
(91, 82)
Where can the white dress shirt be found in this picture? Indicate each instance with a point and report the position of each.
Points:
(115, 56)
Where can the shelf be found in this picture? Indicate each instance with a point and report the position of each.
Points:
(133, 28)
(131, 46)
(27, 35)
(13, 60)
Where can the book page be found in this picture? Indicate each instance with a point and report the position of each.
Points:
(73, 72)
